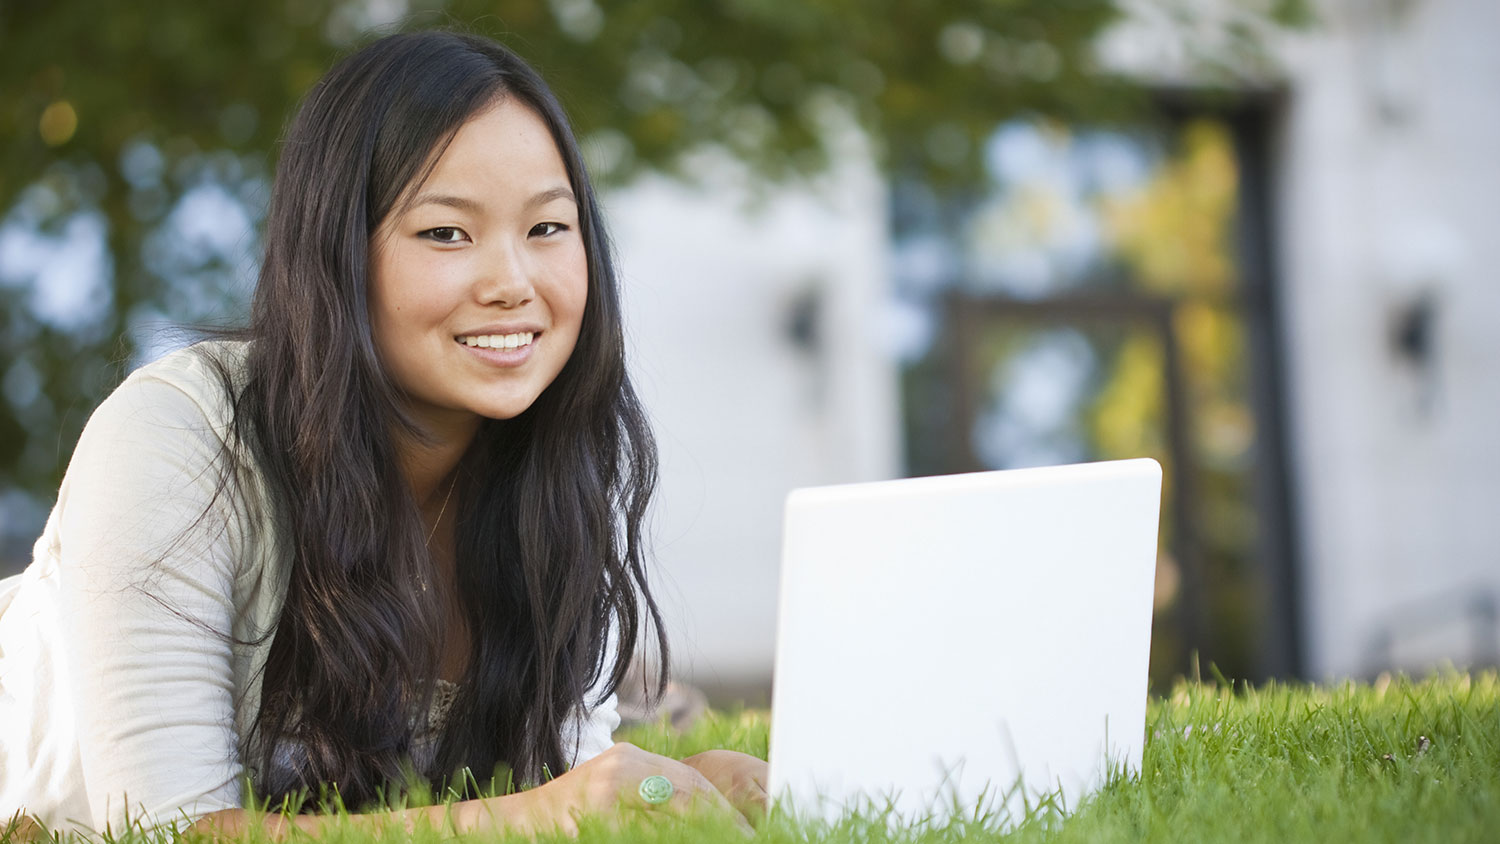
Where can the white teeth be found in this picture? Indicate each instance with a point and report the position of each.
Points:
(498, 341)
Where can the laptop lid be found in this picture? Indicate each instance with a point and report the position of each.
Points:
(943, 639)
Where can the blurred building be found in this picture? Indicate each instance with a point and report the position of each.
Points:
(754, 320)
(1389, 206)
(1278, 285)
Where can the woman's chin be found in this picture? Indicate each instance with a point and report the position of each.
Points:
(501, 411)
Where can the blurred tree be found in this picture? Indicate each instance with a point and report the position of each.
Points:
(129, 124)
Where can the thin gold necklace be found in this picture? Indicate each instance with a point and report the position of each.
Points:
(430, 534)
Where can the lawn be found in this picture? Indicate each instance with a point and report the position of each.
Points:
(1399, 761)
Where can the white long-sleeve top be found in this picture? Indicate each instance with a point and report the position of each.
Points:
(111, 703)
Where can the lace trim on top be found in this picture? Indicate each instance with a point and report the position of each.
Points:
(424, 741)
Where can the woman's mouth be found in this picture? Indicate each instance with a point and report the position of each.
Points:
(497, 341)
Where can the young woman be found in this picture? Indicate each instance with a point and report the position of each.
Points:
(392, 527)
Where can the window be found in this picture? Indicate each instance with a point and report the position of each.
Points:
(1098, 297)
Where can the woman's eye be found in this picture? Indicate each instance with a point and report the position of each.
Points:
(445, 234)
(546, 229)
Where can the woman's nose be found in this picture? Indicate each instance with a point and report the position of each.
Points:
(505, 278)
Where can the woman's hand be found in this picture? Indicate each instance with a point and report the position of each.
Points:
(740, 777)
(611, 782)
(21, 828)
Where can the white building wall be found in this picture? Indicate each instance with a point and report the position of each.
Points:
(712, 276)
(1390, 189)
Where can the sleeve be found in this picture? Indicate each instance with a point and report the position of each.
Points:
(147, 567)
(596, 729)
(598, 718)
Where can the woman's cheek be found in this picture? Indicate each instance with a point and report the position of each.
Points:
(578, 275)
(434, 288)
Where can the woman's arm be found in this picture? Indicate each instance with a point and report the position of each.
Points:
(147, 557)
(606, 785)
(521, 811)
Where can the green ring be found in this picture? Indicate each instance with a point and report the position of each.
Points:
(656, 789)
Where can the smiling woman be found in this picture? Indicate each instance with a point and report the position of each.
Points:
(389, 531)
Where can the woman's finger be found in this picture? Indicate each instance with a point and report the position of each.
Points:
(741, 777)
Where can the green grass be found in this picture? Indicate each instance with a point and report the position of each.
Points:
(1399, 761)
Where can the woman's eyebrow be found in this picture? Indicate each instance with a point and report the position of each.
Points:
(460, 202)
(547, 196)
(463, 203)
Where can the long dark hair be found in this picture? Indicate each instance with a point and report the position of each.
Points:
(550, 504)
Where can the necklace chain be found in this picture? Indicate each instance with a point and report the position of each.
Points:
(441, 510)
(438, 521)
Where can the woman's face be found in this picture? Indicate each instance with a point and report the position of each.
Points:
(477, 286)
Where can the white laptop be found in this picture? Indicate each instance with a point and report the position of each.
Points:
(963, 643)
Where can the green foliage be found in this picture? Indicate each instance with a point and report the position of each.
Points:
(114, 112)
(667, 75)
(1297, 13)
